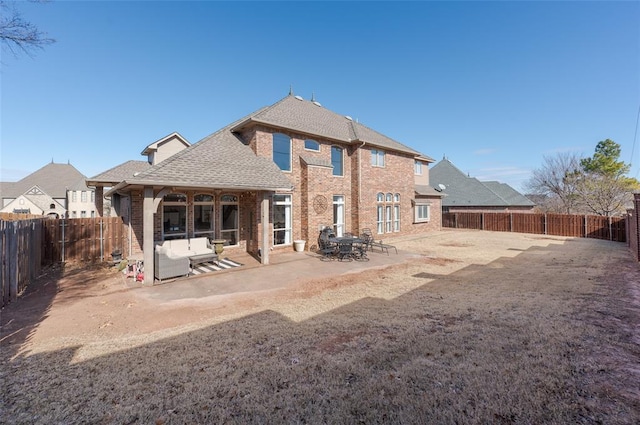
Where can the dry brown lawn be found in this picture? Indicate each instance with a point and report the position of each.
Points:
(483, 327)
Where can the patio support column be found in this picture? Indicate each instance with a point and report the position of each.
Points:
(264, 245)
(147, 232)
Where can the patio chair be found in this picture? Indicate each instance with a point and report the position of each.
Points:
(359, 251)
(325, 246)
(367, 237)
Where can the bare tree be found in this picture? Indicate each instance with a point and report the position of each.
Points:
(603, 187)
(19, 35)
(556, 181)
(605, 195)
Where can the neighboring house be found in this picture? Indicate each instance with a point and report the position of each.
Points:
(466, 194)
(55, 190)
(275, 176)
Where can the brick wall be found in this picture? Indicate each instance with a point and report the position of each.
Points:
(315, 186)
(312, 197)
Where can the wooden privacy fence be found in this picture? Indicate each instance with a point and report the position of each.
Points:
(27, 245)
(82, 239)
(20, 256)
(585, 226)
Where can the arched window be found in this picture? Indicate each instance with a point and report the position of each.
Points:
(282, 151)
(174, 216)
(312, 145)
(203, 215)
(396, 212)
(380, 212)
(387, 212)
(229, 219)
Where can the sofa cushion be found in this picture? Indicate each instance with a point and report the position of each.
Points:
(179, 248)
(200, 246)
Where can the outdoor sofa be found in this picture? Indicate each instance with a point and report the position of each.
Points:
(172, 257)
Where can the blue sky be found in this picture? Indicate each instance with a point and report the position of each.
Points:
(494, 86)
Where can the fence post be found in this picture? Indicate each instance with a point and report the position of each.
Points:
(511, 222)
(586, 226)
(545, 223)
(101, 243)
(610, 230)
(13, 264)
(62, 247)
(481, 221)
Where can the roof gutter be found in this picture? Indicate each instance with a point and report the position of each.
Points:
(176, 185)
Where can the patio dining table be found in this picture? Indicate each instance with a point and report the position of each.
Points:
(349, 247)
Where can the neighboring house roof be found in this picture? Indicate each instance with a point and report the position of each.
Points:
(36, 197)
(304, 116)
(461, 190)
(119, 173)
(155, 145)
(509, 194)
(53, 179)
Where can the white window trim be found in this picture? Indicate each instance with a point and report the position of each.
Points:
(341, 162)
(378, 158)
(416, 209)
(311, 150)
(287, 202)
(418, 168)
(388, 213)
(212, 204)
(339, 222)
(290, 151)
(221, 218)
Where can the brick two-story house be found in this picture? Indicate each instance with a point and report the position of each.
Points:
(277, 175)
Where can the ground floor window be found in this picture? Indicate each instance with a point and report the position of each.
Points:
(282, 221)
(203, 215)
(174, 216)
(422, 212)
(229, 219)
(388, 212)
(338, 215)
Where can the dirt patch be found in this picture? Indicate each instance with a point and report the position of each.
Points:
(481, 327)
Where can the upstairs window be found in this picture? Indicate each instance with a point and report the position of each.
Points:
(337, 160)
(377, 158)
(83, 196)
(418, 168)
(282, 151)
(312, 145)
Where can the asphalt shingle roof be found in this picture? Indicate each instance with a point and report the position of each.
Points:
(308, 117)
(220, 160)
(462, 190)
(121, 172)
(53, 179)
